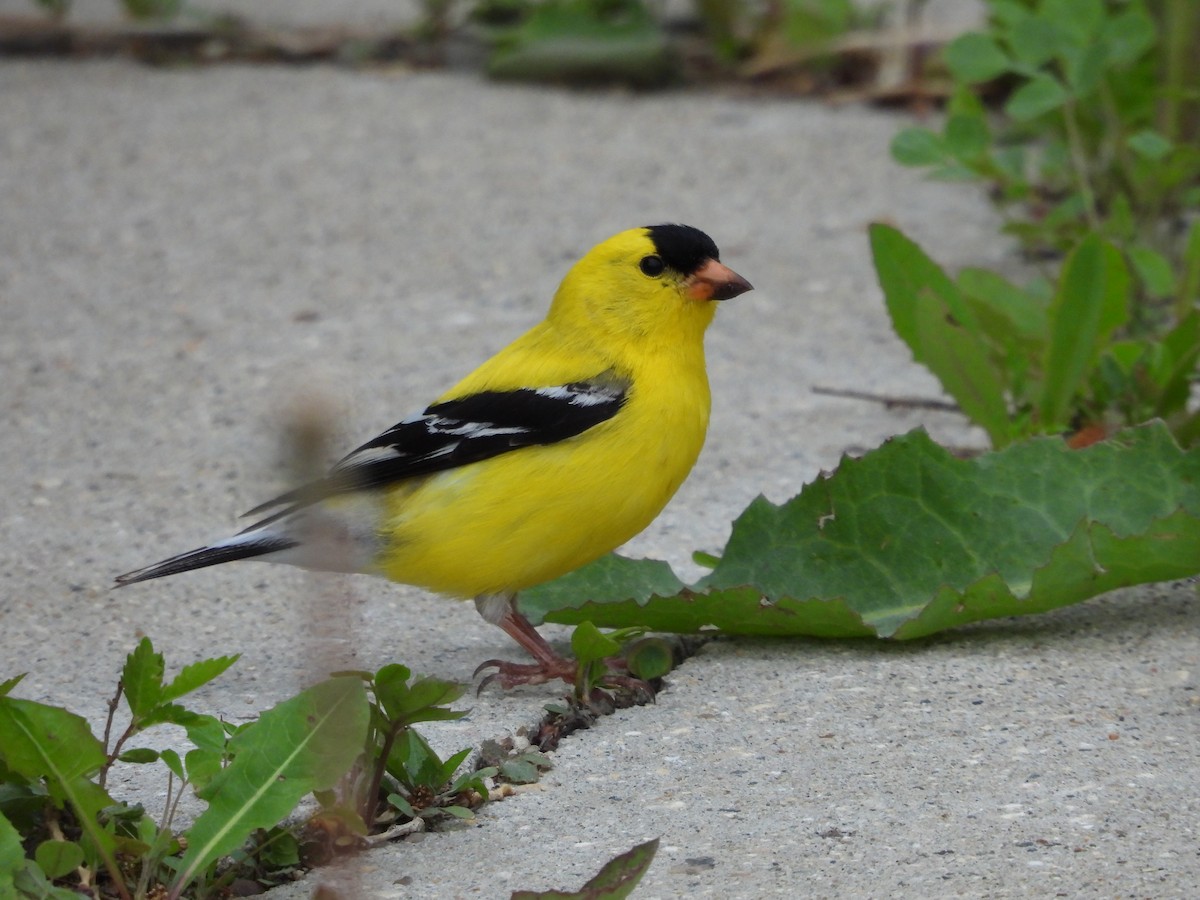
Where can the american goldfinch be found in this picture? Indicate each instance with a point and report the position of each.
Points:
(558, 449)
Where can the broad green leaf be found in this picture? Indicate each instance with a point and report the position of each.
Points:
(57, 858)
(931, 315)
(47, 742)
(196, 675)
(1128, 35)
(139, 755)
(1189, 284)
(1150, 144)
(1038, 96)
(12, 856)
(615, 881)
(142, 678)
(967, 136)
(909, 540)
(588, 643)
(1078, 20)
(1034, 42)
(303, 744)
(31, 884)
(1154, 270)
(975, 57)
(1176, 365)
(918, 147)
(1024, 315)
(1091, 302)
(1085, 68)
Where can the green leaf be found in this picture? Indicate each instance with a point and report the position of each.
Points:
(1024, 314)
(422, 701)
(1176, 365)
(975, 57)
(1128, 35)
(172, 761)
(7, 686)
(1091, 302)
(1150, 144)
(303, 744)
(589, 644)
(918, 147)
(57, 858)
(615, 881)
(967, 136)
(1189, 284)
(196, 675)
(578, 41)
(1040, 95)
(520, 771)
(139, 755)
(39, 741)
(142, 678)
(12, 856)
(1035, 41)
(1078, 20)
(931, 315)
(650, 658)
(1154, 270)
(1085, 67)
(909, 540)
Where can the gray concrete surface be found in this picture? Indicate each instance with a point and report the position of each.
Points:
(187, 255)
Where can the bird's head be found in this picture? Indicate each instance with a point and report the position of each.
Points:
(657, 284)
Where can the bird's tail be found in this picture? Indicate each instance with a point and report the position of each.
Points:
(242, 546)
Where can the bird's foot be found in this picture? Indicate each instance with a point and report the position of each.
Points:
(511, 674)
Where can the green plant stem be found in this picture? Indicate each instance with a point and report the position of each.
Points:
(108, 722)
(1079, 164)
(371, 800)
(1177, 37)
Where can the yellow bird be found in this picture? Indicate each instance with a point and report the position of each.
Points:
(561, 447)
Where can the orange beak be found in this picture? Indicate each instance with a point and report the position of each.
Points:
(713, 281)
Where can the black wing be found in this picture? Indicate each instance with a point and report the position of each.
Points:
(462, 431)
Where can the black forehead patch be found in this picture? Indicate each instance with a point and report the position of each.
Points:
(683, 247)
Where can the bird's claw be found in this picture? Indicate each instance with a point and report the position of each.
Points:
(509, 674)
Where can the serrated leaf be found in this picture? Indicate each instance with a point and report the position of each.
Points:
(1090, 303)
(615, 881)
(47, 742)
(142, 678)
(909, 540)
(300, 745)
(196, 675)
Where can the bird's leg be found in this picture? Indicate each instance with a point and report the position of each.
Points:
(501, 610)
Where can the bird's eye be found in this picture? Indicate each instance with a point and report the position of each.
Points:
(652, 265)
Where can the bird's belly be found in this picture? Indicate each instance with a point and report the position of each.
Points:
(535, 514)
